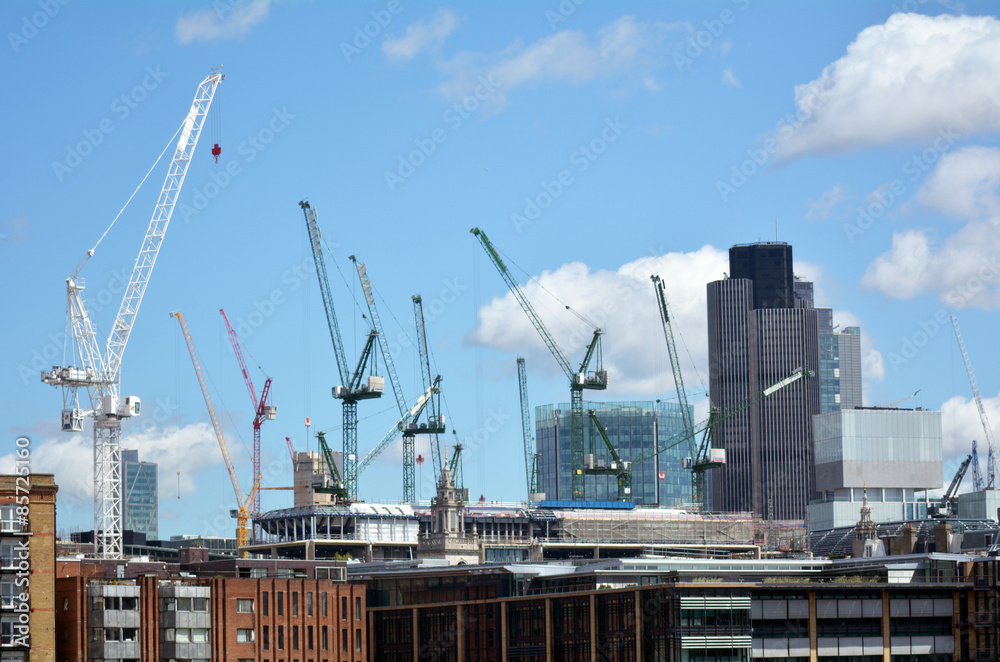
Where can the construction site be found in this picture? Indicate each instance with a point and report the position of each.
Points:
(605, 502)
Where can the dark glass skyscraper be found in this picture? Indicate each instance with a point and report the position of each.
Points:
(762, 326)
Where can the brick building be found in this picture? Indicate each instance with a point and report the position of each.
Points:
(198, 610)
(27, 563)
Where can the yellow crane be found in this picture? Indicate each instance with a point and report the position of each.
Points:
(244, 503)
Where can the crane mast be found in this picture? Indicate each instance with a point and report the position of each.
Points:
(262, 410)
(580, 379)
(435, 420)
(244, 504)
(351, 390)
(100, 373)
(530, 453)
(991, 453)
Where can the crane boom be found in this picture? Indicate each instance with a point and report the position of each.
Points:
(262, 411)
(390, 367)
(400, 425)
(100, 373)
(530, 454)
(243, 503)
(315, 236)
(991, 471)
(578, 381)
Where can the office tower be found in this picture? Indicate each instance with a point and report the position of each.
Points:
(762, 326)
(140, 503)
(632, 428)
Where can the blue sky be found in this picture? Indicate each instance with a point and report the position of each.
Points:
(596, 143)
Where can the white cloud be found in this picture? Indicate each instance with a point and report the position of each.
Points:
(568, 56)
(729, 78)
(821, 208)
(223, 22)
(963, 270)
(422, 35)
(960, 424)
(622, 302)
(910, 77)
(190, 450)
(965, 184)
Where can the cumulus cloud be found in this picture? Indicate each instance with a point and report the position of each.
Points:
(960, 423)
(962, 270)
(422, 35)
(910, 77)
(622, 47)
(622, 303)
(730, 79)
(190, 449)
(223, 22)
(824, 205)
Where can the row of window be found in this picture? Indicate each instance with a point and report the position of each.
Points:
(293, 640)
(184, 604)
(246, 606)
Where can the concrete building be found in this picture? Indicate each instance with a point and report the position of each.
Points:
(979, 505)
(761, 328)
(140, 498)
(310, 473)
(633, 428)
(895, 453)
(839, 367)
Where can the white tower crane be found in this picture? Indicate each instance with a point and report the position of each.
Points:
(991, 457)
(100, 373)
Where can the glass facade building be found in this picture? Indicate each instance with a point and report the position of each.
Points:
(140, 497)
(632, 428)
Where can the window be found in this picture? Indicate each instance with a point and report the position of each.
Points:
(244, 606)
(357, 640)
(65, 604)
(65, 635)
(183, 604)
(357, 609)
(322, 604)
(199, 604)
(130, 634)
(281, 636)
(343, 639)
(200, 635)
(310, 637)
(309, 603)
(244, 636)
(10, 522)
(295, 637)
(183, 635)
(343, 610)
(8, 591)
(168, 634)
(263, 603)
(130, 604)
(279, 603)
(326, 641)
(267, 638)
(295, 603)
